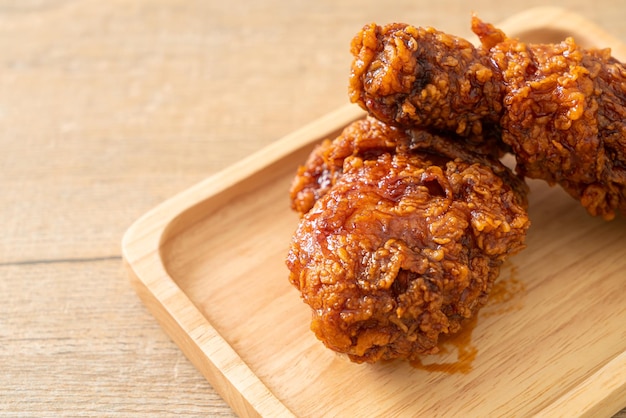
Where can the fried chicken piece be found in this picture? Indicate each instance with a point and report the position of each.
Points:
(559, 107)
(402, 244)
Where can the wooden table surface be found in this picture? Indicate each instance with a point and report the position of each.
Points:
(108, 108)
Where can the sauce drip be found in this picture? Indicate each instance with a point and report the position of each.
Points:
(457, 352)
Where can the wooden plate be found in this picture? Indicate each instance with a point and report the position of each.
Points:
(209, 264)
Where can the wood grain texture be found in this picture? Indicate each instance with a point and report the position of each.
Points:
(107, 108)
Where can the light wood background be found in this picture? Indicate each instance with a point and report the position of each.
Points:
(108, 108)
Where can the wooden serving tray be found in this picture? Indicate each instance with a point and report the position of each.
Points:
(209, 264)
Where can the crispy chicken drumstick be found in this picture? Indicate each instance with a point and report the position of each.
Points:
(401, 237)
(560, 108)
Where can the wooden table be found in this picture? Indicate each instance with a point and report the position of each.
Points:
(109, 107)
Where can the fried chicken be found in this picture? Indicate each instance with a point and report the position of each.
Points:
(560, 108)
(400, 241)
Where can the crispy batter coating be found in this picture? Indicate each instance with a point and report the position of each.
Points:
(369, 138)
(401, 243)
(422, 77)
(560, 108)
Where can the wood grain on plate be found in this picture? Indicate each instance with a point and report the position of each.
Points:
(209, 264)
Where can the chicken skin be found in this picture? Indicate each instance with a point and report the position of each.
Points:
(559, 108)
(400, 240)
